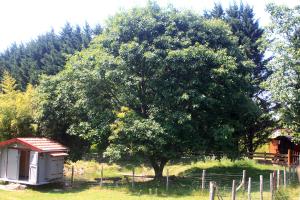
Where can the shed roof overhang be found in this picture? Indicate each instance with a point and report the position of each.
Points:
(37, 144)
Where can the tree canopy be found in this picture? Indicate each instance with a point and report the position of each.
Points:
(284, 84)
(157, 84)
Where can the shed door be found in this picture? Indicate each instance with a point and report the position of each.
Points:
(33, 168)
(13, 164)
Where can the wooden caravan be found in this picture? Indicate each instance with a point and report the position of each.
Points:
(32, 161)
(282, 149)
(281, 141)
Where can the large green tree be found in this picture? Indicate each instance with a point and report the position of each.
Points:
(284, 84)
(258, 123)
(156, 84)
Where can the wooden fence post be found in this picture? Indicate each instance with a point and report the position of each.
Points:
(203, 179)
(132, 182)
(271, 186)
(249, 188)
(211, 190)
(101, 176)
(244, 180)
(274, 180)
(289, 157)
(233, 191)
(278, 178)
(167, 183)
(293, 172)
(284, 177)
(72, 176)
(289, 175)
(261, 187)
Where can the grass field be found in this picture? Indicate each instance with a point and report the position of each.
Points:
(180, 189)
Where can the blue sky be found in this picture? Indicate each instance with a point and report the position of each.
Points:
(22, 20)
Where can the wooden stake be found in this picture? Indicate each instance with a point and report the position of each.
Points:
(167, 183)
(289, 175)
(244, 180)
(72, 176)
(271, 186)
(203, 179)
(211, 190)
(274, 181)
(132, 182)
(261, 187)
(249, 188)
(294, 172)
(278, 179)
(233, 191)
(101, 178)
(284, 177)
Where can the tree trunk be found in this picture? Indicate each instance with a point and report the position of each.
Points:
(250, 144)
(158, 165)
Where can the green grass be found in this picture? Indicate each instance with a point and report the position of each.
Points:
(263, 148)
(180, 188)
(116, 194)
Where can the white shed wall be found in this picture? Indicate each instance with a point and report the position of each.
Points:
(42, 169)
(55, 168)
(3, 162)
(48, 168)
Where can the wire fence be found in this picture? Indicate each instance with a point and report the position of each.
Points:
(270, 184)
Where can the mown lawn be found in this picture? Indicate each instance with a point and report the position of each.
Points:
(115, 194)
(180, 188)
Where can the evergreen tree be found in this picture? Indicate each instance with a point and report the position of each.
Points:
(250, 35)
(45, 55)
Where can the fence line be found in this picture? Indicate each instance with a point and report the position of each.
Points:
(221, 184)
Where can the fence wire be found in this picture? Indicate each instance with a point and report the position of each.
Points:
(191, 184)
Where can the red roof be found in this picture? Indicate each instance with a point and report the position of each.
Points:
(37, 144)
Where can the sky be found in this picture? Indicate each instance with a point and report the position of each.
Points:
(23, 20)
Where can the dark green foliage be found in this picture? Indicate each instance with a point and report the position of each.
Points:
(256, 124)
(46, 54)
(156, 84)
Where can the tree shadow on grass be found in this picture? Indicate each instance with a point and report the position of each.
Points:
(224, 175)
(60, 188)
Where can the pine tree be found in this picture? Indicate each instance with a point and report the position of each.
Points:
(216, 12)
(8, 83)
(243, 24)
(45, 55)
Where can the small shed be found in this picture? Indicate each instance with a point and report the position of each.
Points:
(281, 141)
(32, 161)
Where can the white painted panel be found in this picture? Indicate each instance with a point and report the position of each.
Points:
(13, 164)
(56, 166)
(3, 162)
(33, 167)
(42, 168)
